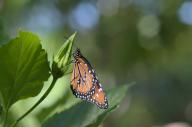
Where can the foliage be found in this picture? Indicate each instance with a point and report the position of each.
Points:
(147, 42)
(24, 68)
(85, 114)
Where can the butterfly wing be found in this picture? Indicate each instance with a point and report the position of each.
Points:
(99, 97)
(85, 84)
(82, 79)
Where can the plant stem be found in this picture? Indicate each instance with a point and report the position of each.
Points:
(37, 103)
(5, 118)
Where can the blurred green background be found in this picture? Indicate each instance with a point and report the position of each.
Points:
(148, 42)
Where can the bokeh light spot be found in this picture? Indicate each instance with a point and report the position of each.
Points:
(84, 16)
(44, 19)
(185, 13)
(108, 7)
(148, 26)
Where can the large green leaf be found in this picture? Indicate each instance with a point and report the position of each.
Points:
(24, 68)
(86, 114)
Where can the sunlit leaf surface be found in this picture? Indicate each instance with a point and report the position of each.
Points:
(86, 114)
(24, 68)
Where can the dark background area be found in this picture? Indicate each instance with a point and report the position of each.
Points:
(146, 42)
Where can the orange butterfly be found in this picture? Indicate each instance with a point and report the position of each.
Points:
(84, 82)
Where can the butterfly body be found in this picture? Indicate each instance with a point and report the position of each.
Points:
(84, 82)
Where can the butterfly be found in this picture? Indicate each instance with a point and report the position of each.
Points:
(84, 82)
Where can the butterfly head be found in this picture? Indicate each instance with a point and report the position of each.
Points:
(77, 53)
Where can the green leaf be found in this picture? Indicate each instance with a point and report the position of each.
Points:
(24, 67)
(86, 114)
